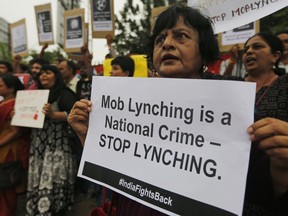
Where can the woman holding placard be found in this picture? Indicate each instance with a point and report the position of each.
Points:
(261, 58)
(182, 44)
(52, 170)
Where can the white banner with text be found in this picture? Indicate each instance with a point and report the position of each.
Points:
(230, 14)
(171, 143)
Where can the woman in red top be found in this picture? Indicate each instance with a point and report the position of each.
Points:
(13, 143)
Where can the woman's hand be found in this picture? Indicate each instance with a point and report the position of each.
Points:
(47, 110)
(79, 118)
(272, 135)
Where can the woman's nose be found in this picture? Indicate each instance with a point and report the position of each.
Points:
(168, 44)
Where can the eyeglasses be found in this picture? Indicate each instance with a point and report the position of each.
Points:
(42, 72)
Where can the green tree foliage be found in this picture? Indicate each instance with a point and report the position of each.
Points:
(275, 22)
(4, 52)
(49, 56)
(133, 26)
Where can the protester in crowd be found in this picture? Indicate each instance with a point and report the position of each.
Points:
(190, 66)
(122, 66)
(112, 52)
(52, 171)
(86, 71)
(182, 44)
(19, 67)
(261, 58)
(5, 67)
(68, 70)
(233, 66)
(283, 36)
(13, 142)
(35, 67)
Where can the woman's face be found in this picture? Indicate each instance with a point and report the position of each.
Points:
(47, 79)
(176, 52)
(258, 56)
(4, 90)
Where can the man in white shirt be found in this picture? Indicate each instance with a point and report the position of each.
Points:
(233, 66)
(68, 71)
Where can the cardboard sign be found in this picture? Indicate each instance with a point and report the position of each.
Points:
(102, 18)
(177, 145)
(28, 108)
(19, 38)
(74, 30)
(44, 24)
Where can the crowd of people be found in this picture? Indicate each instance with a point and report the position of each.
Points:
(182, 44)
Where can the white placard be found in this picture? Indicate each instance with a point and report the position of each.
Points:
(18, 37)
(28, 108)
(177, 145)
(230, 14)
(238, 35)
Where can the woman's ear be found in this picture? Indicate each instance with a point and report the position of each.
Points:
(276, 56)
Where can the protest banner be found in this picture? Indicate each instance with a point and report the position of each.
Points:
(28, 108)
(162, 143)
(44, 24)
(140, 61)
(19, 38)
(238, 36)
(102, 18)
(74, 30)
(230, 14)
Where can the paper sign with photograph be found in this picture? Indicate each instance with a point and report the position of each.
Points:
(19, 38)
(28, 108)
(102, 18)
(44, 24)
(74, 30)
(237, 35)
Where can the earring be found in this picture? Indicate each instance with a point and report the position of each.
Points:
(205, 68)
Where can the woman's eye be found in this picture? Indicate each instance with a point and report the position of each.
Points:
(160, 40)
(257, 46)
(181, 36)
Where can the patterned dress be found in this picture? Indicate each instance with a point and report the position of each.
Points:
(52, 168)
(271, 101)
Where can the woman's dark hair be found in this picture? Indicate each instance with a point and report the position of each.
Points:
(12, 81)
(282, 32)
(192, 17)
(274, 43)
(59, 82)
(126, 63)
